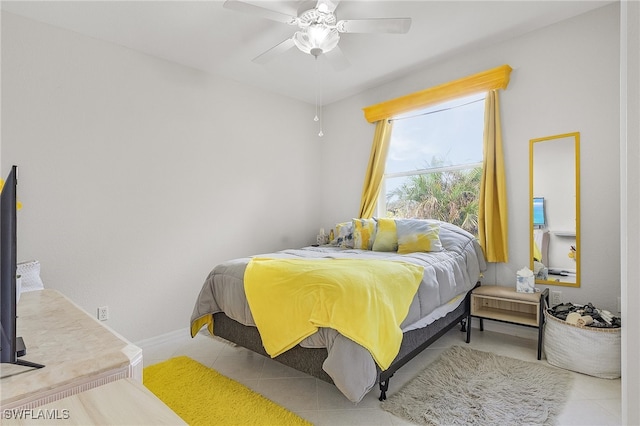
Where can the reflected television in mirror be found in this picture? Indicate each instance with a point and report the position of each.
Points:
(538, 212)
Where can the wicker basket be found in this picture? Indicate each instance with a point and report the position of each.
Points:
(589, 350)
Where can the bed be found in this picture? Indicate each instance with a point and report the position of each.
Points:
(448, 273)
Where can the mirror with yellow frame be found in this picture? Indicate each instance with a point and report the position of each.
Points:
(554, 209)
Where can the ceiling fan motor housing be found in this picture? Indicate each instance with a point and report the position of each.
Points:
(318, 33)
(316, 16)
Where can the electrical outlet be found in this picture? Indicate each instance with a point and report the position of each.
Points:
(103, 313)
(556, 298)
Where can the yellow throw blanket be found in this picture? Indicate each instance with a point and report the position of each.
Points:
(364, 300)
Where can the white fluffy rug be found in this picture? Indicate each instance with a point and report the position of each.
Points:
(469, 387)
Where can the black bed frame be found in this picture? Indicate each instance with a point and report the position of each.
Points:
(310, 360)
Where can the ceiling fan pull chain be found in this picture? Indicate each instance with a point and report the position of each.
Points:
(318, 116)
(315, 72)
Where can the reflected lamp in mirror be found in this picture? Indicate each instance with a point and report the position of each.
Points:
(554, 197)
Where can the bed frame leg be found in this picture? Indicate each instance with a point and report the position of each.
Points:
(384, 386)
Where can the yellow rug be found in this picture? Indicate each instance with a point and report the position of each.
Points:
(202, 396)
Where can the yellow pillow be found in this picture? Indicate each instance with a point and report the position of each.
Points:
(417, 235)
(386, 235)
(364, 233)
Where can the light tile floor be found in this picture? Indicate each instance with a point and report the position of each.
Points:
(592, 401)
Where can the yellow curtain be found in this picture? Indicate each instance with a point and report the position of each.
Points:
(492, 212)
(375, 169)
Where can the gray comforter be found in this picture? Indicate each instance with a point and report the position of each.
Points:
(448, 275)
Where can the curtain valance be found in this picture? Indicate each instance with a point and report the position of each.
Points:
(496, 78)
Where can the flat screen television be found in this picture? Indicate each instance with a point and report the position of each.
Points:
(11, 346)
(539, 218)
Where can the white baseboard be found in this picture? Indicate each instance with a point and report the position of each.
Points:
(173, 337)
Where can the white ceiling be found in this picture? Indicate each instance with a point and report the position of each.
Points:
(208, 37)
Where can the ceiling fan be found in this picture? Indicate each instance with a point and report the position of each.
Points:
(318, 29)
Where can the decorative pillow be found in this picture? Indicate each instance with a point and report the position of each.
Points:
(344, 235)
(364, 233)
(418, 235)
(386, 235)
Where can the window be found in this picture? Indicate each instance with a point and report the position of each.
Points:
(434, 164)
(493, 225)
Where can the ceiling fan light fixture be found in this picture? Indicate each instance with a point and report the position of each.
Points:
(316, 39)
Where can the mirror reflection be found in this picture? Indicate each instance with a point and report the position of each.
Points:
(554, 209)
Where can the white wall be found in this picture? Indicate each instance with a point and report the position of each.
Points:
(139, 175)
(565, 78)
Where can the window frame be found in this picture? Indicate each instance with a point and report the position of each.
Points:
(381, 206)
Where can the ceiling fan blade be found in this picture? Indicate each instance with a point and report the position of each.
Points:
(276, 50)
(330, 5)
(377, 25)
(263, 12)
(337, 59)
